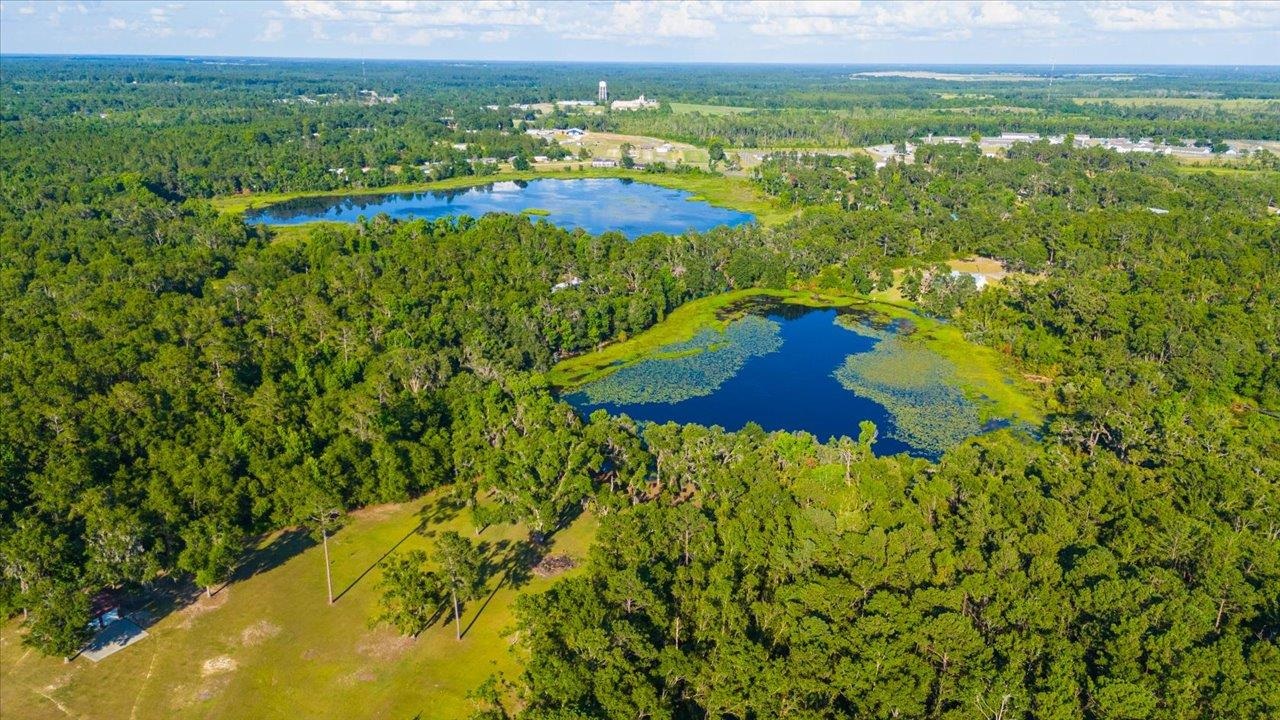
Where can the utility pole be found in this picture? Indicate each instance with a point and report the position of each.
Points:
(323, 519)
(328, 571)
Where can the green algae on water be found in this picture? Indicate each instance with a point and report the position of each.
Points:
(693, 368)
(916, 386)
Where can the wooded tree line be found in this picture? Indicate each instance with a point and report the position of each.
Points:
(857, 127)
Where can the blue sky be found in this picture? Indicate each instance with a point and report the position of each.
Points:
(870, 31)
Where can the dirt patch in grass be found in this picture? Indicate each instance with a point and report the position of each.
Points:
(361, 675)
(258, 633)
(218, 665)
(185, 696)
(58, 683)
(383, 644)
(376, 512)
(203, 605)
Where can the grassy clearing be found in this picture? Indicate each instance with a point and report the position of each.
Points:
(644, 149)
(723, 191)
(982, 373)
(684, 108)
(1222, 169)
(268, 646)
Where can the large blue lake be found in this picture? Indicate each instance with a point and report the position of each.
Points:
(781, 377)
(595, 205)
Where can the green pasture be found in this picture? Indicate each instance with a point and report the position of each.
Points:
(269, 646)
(684, 108)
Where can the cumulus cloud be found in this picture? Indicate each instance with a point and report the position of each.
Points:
(272, 31)
(1205, 16)
(747, 29)
(416, 22)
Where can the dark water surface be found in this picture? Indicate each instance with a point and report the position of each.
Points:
(791, 388)
(593, 204)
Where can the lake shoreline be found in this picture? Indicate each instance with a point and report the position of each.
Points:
(718, 190)
(982, 374)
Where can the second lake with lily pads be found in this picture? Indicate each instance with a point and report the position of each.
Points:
(797, 368)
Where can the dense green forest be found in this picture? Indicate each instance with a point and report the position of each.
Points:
(173, 381)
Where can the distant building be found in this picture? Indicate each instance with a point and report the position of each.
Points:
(575, 133)
(541, 158)
(603, 95)
(603, 163)
(575, 103)
(639, 103)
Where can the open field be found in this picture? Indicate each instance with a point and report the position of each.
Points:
(983, 374)
(751, 157)
(268, 645)
(682, 108)
(644, 149)
(731, 192)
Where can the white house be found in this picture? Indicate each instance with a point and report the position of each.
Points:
(639, 103)
(603, 163)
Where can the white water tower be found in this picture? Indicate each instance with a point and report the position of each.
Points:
(604, 92)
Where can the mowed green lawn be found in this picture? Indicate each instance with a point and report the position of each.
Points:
(681, 108)
(269, 646)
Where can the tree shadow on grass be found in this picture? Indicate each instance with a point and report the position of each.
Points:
(414, 530)
(439, 511)
(511, 561)
(285, 546)
(147, 604)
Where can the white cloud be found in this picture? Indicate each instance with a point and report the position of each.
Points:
(272, 31)
(635, 22)
(909, 20)
(416, 22)
(1204, 16)
(748, 29)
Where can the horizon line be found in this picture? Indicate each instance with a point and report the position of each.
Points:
(334, 58)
